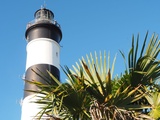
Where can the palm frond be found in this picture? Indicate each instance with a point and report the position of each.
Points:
(144, 67)
(97, 74)
(154, 101)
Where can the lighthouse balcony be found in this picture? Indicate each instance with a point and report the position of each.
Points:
(44, 20)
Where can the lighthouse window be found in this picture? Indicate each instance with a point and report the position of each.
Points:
(44, 14)
(50, 16)
(38, 15)
(57, 54)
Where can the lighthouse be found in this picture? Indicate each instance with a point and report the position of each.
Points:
(43, 36)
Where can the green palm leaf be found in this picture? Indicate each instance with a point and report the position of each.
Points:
(146, 66)
(154, 101)
(97, 75)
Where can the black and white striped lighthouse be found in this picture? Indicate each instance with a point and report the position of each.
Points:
(43, 35)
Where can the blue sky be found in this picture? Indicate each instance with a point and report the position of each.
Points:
(87, 26)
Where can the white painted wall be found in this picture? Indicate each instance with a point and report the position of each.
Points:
(31, 109)
(43, 51)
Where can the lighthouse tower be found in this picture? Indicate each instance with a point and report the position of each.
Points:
(43, 35)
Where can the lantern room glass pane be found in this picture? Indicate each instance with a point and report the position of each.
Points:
(44, 14)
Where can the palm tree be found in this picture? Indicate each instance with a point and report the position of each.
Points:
(63, 100)
(87, 88)
(144, 69)
(93, 93)
(108, 101)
